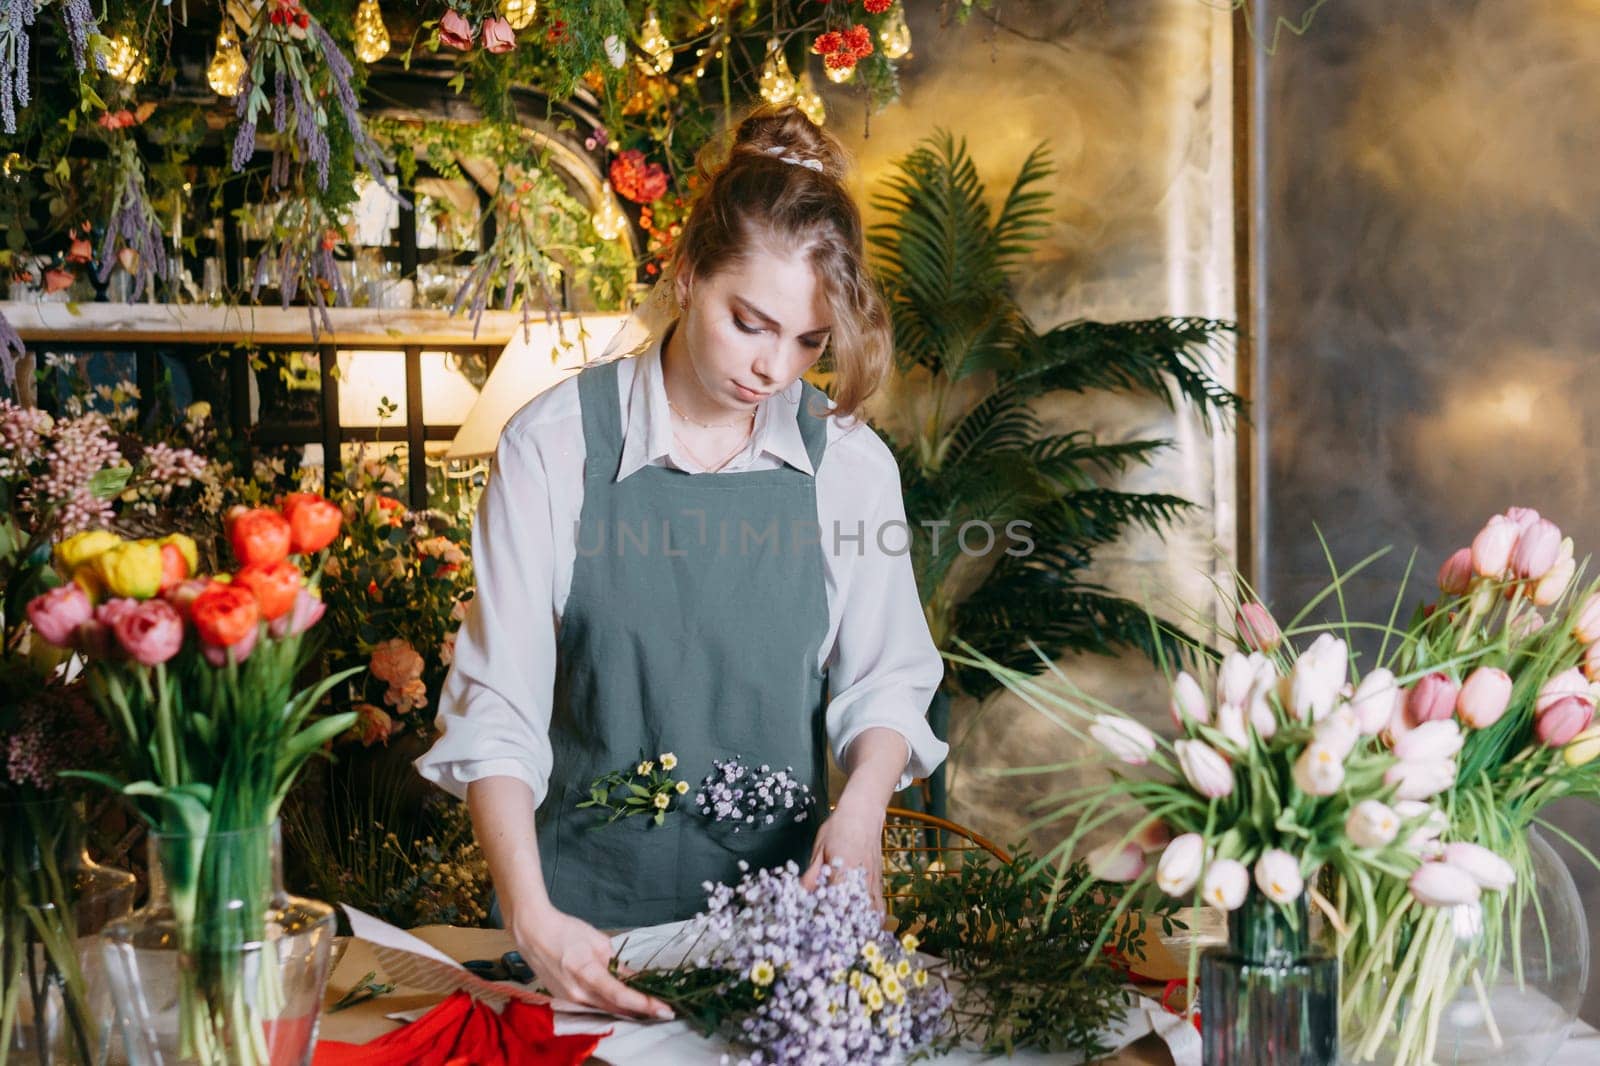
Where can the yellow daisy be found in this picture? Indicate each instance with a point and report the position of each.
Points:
(661, 801)
(681, 787)
(902, 969)
(669, 761)
(644, 768)
(909, 942)
(919, 979)
(762, 973)
(871, 952)
(874, 999)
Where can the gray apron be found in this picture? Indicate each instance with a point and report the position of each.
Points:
(693, 626)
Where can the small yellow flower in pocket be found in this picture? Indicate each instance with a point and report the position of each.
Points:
(669, 761)
(661, 801)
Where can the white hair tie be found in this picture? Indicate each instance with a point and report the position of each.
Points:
(780, 151)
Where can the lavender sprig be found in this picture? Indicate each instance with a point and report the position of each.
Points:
(15, 18)
(133, 219)
(78, 17)
(367, 152)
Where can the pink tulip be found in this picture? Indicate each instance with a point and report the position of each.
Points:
(1587, 626)
(1439, 884)
(1562, 721)
(1226, 885)
(1521, 517)
(1567, 683)
(1204, 768)
(241, 649)
(455, 31)
(1524, 625)
(1537, 550)
(1375, 701)
(111, 611)
(1418, 779)
(1278, 876)
(306, 612)
(151, 633)
(56, 615)
(1455, 576)
(498, 36)
(1256, 628)
(1492, 547)
(1482, 865)
(1430, 740)
(1433, 697)
(1124, 738)
(1179, 866)
(1118, 865)
(1550, 588)
(1188, 701)
(1484, 697)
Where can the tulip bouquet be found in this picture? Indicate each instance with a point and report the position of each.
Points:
(1395, 801)
(196, 678)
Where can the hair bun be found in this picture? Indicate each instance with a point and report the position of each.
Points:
(784, 132)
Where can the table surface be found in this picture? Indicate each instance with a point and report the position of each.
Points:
(367, 1020)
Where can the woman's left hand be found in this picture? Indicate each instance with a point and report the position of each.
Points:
(851, 837)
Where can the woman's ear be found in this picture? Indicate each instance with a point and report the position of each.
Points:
(680, 286)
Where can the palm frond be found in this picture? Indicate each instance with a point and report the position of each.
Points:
(1022, 218)
(1065, 458)
(1140, 356)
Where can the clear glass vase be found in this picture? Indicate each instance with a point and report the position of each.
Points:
(55, 1004)
(221, 966)
(1480, 985)
(1271, 996)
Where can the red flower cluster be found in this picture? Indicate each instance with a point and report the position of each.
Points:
(843, 49)
(633, 178)
(876, 7)
(288, 13)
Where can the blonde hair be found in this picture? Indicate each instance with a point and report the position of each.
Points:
(781, 181)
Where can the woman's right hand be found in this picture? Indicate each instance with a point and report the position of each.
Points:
(572, 959)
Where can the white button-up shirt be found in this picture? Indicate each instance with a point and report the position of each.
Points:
(494, 712)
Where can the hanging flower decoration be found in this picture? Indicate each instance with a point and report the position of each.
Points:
(455, 31)
(843, 49)
(637, 180)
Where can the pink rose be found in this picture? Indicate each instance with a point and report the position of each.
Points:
(396, 662)
(241, 648)
(498, 36)
(455, 31)
(57, 614)
(306, 612)
(151, 633)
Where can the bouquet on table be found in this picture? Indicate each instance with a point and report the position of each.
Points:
(1395, 800)
(197, 677)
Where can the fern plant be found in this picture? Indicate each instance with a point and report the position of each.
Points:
(980, 453)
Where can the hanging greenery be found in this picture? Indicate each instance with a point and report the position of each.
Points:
(147, 127)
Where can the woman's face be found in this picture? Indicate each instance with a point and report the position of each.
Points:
(754, 327)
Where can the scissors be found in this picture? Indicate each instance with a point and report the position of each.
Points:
(508, 967)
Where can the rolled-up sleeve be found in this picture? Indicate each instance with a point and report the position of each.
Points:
(884, 667)
(494, 710)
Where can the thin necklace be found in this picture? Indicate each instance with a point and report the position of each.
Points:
(710, 467)
(704, 425)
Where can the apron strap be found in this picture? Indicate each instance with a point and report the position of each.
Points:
(602, 421)
(813, 423)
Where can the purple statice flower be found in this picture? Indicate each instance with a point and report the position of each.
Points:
(734, 792)
(15, 18)
(831, 986)
(78, 16)
(11, 350)
(56, 729)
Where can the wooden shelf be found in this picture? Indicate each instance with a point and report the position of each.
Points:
(108, 323)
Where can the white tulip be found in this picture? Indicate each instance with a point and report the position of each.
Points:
(1439, 884)
(1238, 676)
(1318, 771)
(1230, 723)
(1371, 824)
(1226, 885)
(1424, 839)
(1188, 701)
(1440, 739)
(1119, 865)
(1278, 876)
(1179, 866)
(1421, 778)
(1375, 701)
(1339, 731)
(1318, 676)
(1482, 865)
(1124, 738)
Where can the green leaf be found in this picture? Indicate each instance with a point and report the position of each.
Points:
(109, 483)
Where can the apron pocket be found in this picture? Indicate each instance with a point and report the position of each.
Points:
(712, 851)
(609, 868)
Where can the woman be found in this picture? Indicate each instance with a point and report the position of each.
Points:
(690, 551)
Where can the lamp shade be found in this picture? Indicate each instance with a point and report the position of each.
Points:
(533, 362)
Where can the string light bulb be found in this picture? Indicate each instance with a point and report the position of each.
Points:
(895, 35)
(124, 61)
(227, 68)
(608, 220)
(777, 84)
(372, 37)
(519, 13)
(808, 100)
(654, 42)
(839, 75)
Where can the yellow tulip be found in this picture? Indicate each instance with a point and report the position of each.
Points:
(131, 569)
(186, 547)
(1582, 748)
(81, 548)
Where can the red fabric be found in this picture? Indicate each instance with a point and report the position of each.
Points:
(462, 1032)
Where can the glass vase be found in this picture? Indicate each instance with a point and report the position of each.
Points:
(1271, 996)
(1481, 985)
(55, 1004)
(221, 966)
